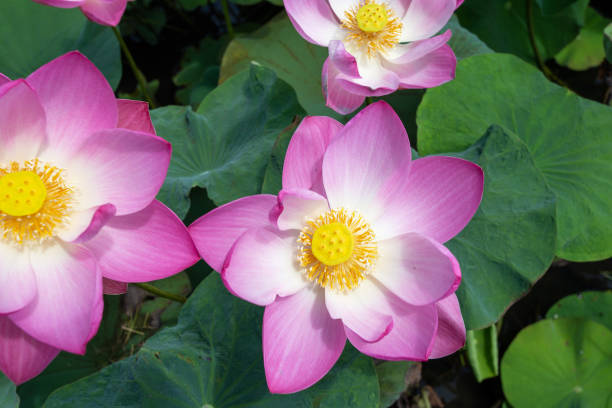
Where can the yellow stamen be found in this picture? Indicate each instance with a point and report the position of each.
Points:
(34, 201)
(337, 250)
(371, 27)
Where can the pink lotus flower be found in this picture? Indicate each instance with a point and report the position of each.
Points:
(377, 46)
(351, 247)
(79, 171)
(104, 12)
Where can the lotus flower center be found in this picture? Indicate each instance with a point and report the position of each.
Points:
(34, 201)
(371, 27)
(332, 244)
(337, 249)
(21, 193)
(372, 17)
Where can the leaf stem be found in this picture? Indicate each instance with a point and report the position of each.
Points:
(228, 19)
(161, 293)
(532, 39)
(142, 80)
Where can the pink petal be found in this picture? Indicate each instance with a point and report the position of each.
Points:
(425, 18)
(369, 150)
(361, 310)
(262, 265)
(17, 280)
(66, 308)
(21, 356)
(105, 12)
(342, 59)
(434, 69)
(313, 19)
(412, 335)
(459, 2)
(405, 53)
(61, 3)
(297, 206)
(77, 100)
(417, 269)
(22, 122)
(134, 115)
(215, 233)
(304, 158)
(375, 79)
(437, 199)
(4, 79)
(122, 167)
(148, 245)
(111, 287)
(85, 224)
(336, 96)
(451, 330)
(301, 342)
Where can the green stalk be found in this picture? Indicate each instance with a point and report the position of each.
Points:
(142, 80)
(161, 293)
(228, 20)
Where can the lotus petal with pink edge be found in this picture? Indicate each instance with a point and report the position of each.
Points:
(77, 100)
(336, 96)
(22, 122)
(64, 309)
(459, 2)
(361, 259)
(111, 163)
(314, 20)
(301, 342)
(451, 329)
(17, 280)
(302, 168)
(437, 200)
(362, 311)
(147, 245)
(417, 269)
(61, 3)
(215, 233)
(297, 206)
(261, 266)
(411, 337)
(357, 165)
(134, 115)
(362, 64)
(21, 356)
(105, 12)
(111, 287)
(85, 224)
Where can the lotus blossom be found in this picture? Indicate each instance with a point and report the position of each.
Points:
(352, 247)
(79, 171)
(377, 46)
(104, 12)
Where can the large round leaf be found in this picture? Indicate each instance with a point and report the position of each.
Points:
(567, 137)
(213, 358)
(564, 363)
(510, 242)
(596, 306)
(278, 46)
(225, 147)
(33, 34)
(8, 396)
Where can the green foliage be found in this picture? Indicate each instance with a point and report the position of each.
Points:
(596, 306)
(483, 353)
(563, 363)
(33, 34)
(502, 25)
(608, 42)
(510, 242)
(587, 49)
(8, 396)
(562, 133)
(213, 356)
(392, 380)
(226, 145)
